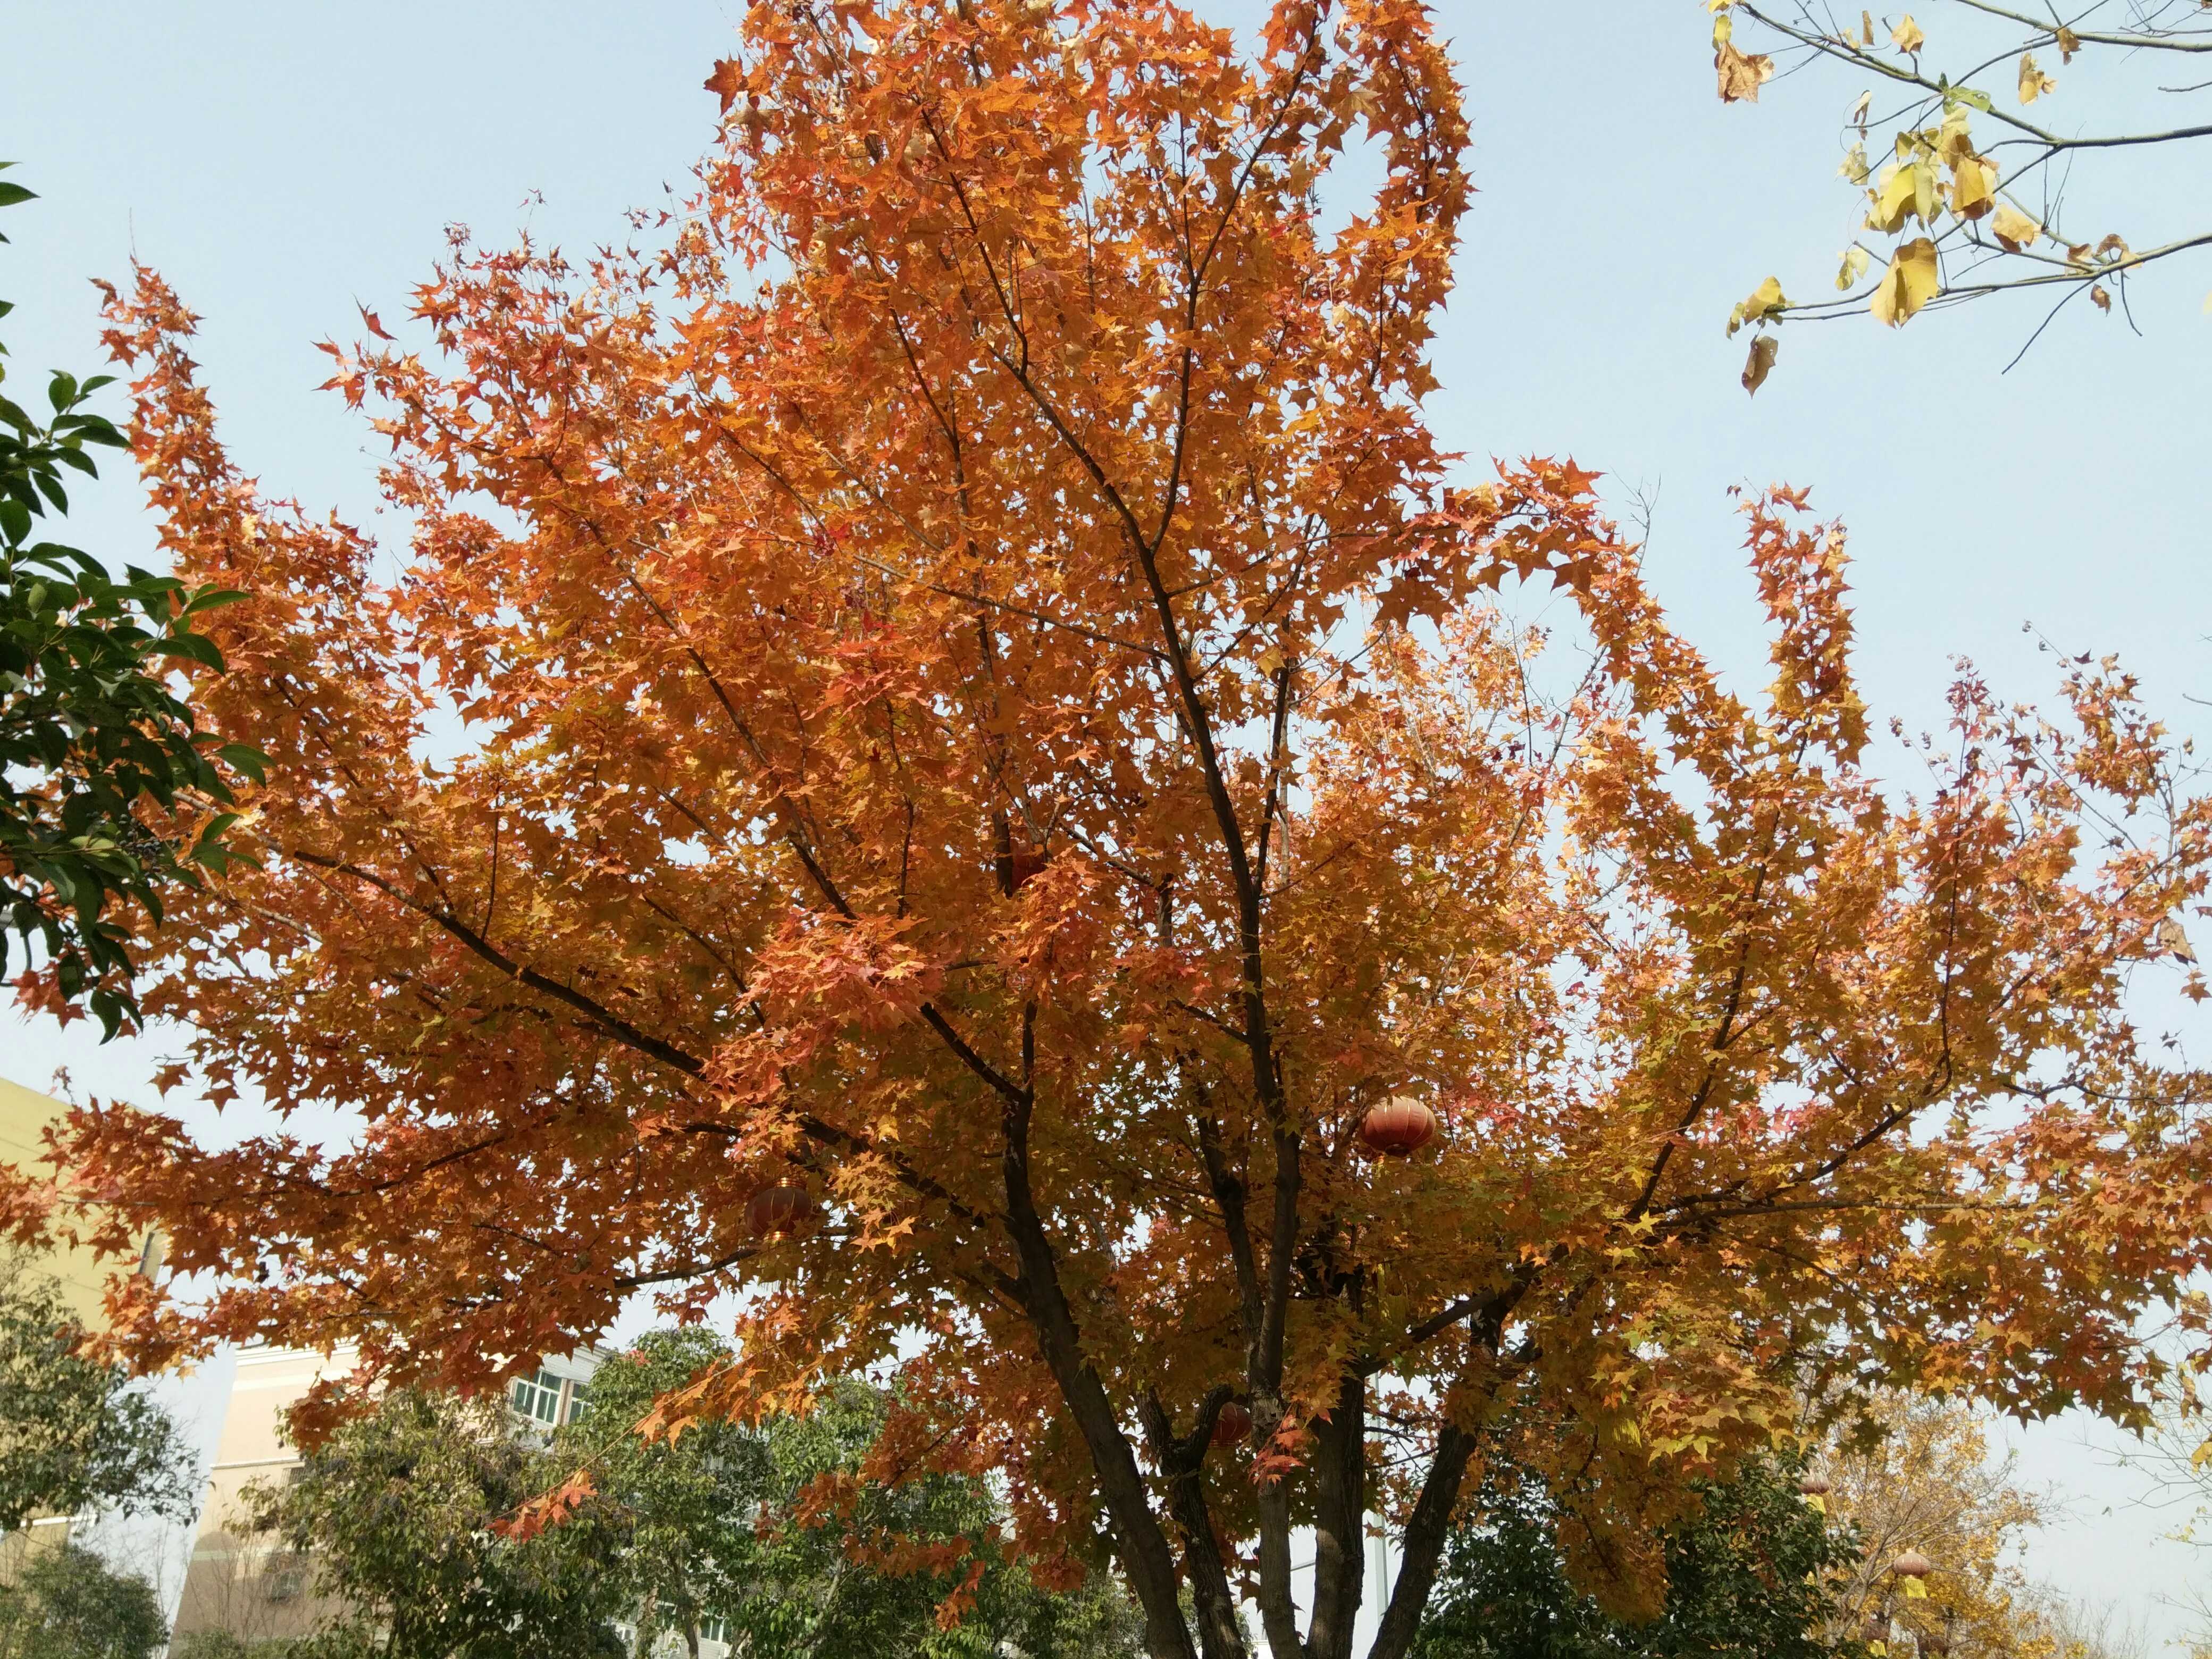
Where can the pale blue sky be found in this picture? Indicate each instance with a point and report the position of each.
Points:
(278, 162)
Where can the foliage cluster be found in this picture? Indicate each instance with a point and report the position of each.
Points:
(798, 1535)
(66, 1603)
(75, 1432)
(110, 789)
(1752, 1575)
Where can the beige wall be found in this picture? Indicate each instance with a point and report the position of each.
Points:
(237, 1582)
(24, 1116)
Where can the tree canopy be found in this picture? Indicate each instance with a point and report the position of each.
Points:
(814, 1534)
(944, 731)
(66, 1603)
(1749, 1576)
(396, 1517)
(75, 1432)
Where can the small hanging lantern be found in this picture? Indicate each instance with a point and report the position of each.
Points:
(1232, 1424)
(1398, 1128)
(1814, 1489)
(1912, 1567)
(1875, 1633)
(778, 1212)
(1936, 1643)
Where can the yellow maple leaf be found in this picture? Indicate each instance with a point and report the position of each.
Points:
(1953, 140)
(1855, 167)
(1912, 281)
(1973, 186)
(1904, 190)
(1759, 304)
(1855, 260)
(2033, 83)
(1761, 363)
(1908, 36)
(2014, 229)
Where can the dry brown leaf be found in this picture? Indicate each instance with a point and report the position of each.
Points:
(1761, 363)
(1741, 74)
(2099, 299)
(2068, 44)
(2033, 83)
(2175, 940)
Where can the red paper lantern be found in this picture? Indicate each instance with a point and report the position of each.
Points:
(1232, 1426)
(1912, 1564)
(776, 1212)
(1814, 1485)
(1398, 1127)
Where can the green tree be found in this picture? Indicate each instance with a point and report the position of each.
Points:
(344, 1641)
(1748, 1577)
(400, 1510)
(76, 1433)
(786, 1538)
(69, 1604)
(109, 789)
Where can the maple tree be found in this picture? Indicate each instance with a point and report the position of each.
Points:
(953, 676)
(1914, 1474)
(1963, 150)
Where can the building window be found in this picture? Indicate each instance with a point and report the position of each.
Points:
(285, 1578)
(538, 1398)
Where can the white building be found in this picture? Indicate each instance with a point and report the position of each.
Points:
(245, 1585)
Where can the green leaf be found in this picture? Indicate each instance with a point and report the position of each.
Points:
(213, 598)
(244, 758)
(197, 648)
(11, 194)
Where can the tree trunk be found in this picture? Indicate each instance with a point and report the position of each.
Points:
(1340, 1520)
